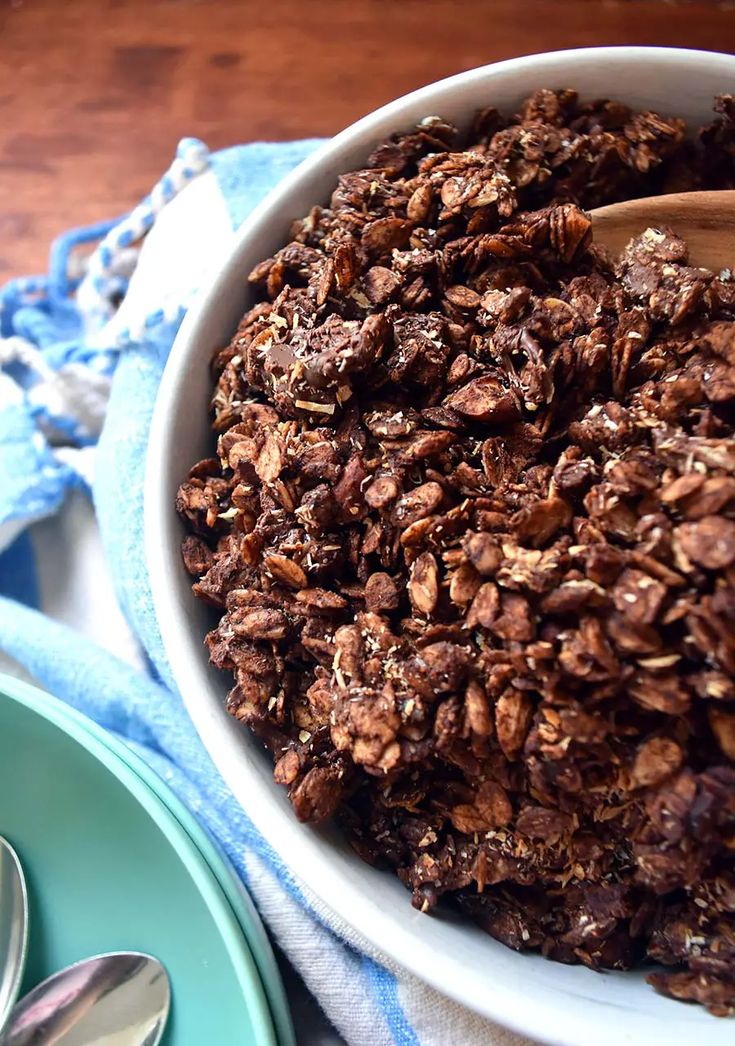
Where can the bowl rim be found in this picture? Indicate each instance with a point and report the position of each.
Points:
(510, 1007)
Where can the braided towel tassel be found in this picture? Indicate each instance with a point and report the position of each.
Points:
(55, 364)
(115, 257)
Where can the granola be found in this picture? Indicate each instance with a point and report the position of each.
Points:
(470, 528)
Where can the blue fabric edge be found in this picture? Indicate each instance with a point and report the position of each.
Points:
(385, 989)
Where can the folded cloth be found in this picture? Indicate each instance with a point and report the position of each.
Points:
(81, 354)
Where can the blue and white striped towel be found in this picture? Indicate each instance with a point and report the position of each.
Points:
(81, 354)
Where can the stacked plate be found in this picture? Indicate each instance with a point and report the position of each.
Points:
(115, 862)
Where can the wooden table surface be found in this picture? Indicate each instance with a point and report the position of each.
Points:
(94, 94)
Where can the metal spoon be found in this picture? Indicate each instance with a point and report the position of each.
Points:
(120, 999)
(706, 220)
(13, 928)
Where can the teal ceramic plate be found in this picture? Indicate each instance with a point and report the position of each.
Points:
(239, 900)
(238, 897)
(110, 868)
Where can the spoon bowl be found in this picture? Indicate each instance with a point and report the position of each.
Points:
(706, 220)
(13, 929)
(121, 999)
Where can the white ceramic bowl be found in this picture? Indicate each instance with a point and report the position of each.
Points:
(542, 999)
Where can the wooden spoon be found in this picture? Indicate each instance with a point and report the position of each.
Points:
(706, 220)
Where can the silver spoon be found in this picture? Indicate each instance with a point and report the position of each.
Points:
(120, 999)
(13, 928)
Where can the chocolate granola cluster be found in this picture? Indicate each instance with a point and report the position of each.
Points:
(471, 529)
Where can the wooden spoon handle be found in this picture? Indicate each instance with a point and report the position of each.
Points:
(706, 220)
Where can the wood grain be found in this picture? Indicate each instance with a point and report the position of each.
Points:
(94, 95)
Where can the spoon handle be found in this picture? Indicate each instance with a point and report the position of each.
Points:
(706, 220)
(13, 929)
